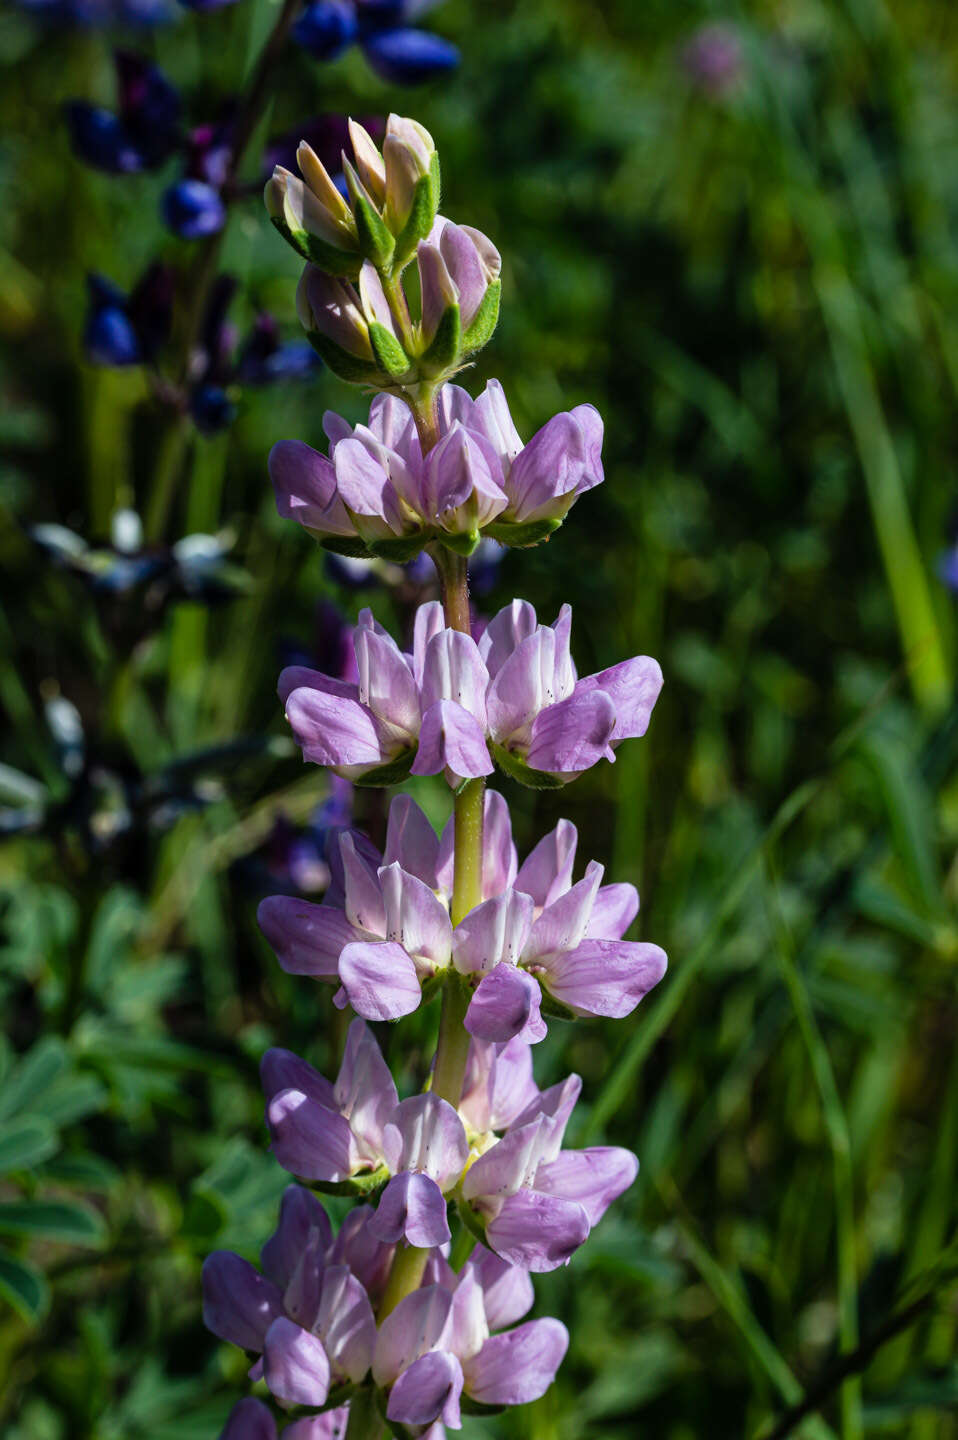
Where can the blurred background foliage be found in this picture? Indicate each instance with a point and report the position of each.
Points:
(732, 228)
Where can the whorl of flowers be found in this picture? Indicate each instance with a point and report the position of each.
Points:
(411, 1313)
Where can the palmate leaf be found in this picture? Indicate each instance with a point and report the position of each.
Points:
(66, 1221)
(26, 1087)
(23, 1287)
(25, 1142)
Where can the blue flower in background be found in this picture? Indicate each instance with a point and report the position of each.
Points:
(192, 209)
(91, 14)
(144, 130)
(397, 51)
(123, 330)
(220, 363)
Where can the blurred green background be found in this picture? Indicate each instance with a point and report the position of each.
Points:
(751, 268)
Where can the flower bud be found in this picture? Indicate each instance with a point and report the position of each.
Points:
(411, 184)
(312, 215)
(392, 201)
(330, 312)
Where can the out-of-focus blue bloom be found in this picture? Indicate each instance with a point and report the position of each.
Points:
(144, 130)
(218, 364)
(192, 209)
(326, 28)
(209, 151)
(212, 409)
(90, 14)
(409, 57)
(202, 6)
(128, 329)
(397, 51)
(948, 568)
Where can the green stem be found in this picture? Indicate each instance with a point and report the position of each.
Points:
(453, 1047)
(409, 1263)
(365, 1421)
(392, 288)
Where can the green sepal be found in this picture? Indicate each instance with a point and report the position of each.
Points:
(348, 367)
(443, 352)
(375, 238)
(355, 1185)
(425, 203)
(350, 545)
(462, 543)
(519, 770)
(484, 321)
(389, 353)
(471, 1221)
(400, 549)
(468, 1406)
(521, 535)
(434, 984)
(392, 773)
(343, 263)
(554, 1008)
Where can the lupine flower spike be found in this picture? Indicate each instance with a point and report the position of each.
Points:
(414, 1310)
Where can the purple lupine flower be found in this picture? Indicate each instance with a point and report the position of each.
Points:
(385, 931)
(378, 492)
(249, 1419)
(535, 1201)
(397, 51)
(453, 702)
(143, 131)
(306, 1315)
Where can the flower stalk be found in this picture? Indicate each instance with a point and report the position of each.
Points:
(394, 1311)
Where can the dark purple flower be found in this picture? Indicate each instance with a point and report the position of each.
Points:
(90, 14)
(141, 134)
(124, 329)
(212, 409)
(326, 28)
(192, 209)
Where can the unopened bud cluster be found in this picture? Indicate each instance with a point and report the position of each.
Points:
(351, 300)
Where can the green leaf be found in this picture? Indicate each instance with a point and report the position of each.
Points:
(910, 816)
(513, 766)
(23, 1287)
(25, 1142)
(63, 1220)
(91, 1172)
(40, 1067)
